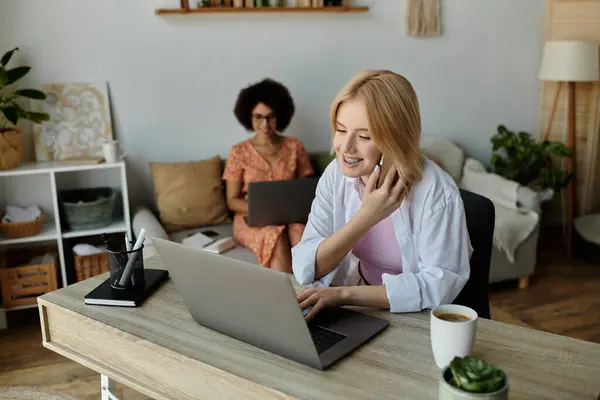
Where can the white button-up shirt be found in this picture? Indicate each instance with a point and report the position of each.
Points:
(435, 250)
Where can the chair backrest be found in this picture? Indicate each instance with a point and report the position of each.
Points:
(480, 214)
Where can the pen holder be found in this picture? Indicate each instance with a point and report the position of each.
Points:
(118, 261)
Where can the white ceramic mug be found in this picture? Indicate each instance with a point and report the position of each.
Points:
(452, 338)
(110, 150)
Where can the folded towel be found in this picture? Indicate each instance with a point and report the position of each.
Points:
(84, 249)
(514, 223)
(47, 258)
(18, 214)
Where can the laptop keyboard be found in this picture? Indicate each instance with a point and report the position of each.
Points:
(324, 338)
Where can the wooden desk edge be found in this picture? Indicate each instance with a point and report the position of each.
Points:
(52, 341)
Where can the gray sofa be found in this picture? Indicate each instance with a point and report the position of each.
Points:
(448, 155)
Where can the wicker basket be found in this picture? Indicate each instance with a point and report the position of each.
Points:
(23, 229)
(22, 285)
(10, 149)
(90, 265)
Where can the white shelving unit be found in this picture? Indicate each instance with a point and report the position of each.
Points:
(40, 184)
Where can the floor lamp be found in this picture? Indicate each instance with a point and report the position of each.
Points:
(569, 62)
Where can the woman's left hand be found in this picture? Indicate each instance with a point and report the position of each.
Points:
(319, 298)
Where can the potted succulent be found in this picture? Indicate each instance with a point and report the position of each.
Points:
(469, 378)
(11, 111)
(521, 158)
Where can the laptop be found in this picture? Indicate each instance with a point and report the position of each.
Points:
(280, 202)
(258, 306)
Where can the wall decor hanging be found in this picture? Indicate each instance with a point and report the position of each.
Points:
(80, 121)
(422, 17)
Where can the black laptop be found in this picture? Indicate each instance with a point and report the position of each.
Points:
(280, 202)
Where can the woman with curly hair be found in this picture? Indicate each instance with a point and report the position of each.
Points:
(266, 109)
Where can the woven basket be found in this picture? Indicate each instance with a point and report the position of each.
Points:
(22, 284)
(10, 149)
(14, 230)
(90, 265)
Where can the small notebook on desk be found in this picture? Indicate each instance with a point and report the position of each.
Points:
(207, 243)
(105, 295)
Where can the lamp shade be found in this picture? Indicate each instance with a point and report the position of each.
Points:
(570, 61)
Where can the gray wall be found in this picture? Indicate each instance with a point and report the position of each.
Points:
(173, 79)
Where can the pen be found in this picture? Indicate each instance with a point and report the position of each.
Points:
(127, 243)
(129, 267)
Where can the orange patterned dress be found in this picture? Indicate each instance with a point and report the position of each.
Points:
(246, 164)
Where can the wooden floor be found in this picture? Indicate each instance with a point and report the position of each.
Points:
(564, 298)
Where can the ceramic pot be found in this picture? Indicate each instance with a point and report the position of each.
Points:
(449, 392)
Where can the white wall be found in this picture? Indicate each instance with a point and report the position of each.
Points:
(173, 79)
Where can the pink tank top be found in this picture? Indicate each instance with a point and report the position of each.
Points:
(378, 251)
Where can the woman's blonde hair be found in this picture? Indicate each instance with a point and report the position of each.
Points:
(394, 119)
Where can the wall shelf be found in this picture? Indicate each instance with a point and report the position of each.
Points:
(221, 9)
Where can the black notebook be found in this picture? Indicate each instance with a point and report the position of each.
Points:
(104, 295)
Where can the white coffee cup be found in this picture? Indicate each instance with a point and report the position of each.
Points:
(452, 338)
(110, 150)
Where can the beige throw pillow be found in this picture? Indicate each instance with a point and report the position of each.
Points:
(189, 194)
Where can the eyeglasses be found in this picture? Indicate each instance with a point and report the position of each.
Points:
(258, 118)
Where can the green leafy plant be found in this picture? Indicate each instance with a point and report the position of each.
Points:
(519, 157)
(471, 374)
(11, 110)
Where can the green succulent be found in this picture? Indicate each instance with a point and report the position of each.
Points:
(476, 376)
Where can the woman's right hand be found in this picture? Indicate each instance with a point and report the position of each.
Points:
(378, 203)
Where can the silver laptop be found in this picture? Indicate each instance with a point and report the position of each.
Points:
(258, 305)
(293, 198)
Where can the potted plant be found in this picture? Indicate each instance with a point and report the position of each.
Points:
(469, 378)
(12, 111)
(519, 157)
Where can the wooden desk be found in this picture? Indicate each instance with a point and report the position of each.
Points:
(160, 351)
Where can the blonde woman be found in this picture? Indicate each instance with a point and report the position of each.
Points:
(409, 238)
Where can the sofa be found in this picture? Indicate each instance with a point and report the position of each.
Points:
(444, 152)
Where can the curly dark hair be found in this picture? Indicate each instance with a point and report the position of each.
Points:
(273, 94)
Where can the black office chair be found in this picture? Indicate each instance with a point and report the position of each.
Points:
(480, 215)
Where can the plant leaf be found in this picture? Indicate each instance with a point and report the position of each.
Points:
(6, 57)
(11, 114)
(38, 117)
(16, 73)
(524, 136)
(3, 77)
(20, 112)
(31, 94)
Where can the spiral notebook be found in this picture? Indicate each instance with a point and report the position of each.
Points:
(105, 295)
